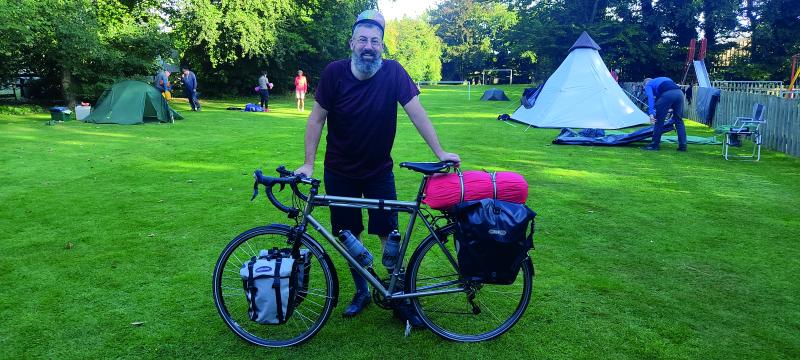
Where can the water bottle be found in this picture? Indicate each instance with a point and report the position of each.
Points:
(355, 248)
(391, 250)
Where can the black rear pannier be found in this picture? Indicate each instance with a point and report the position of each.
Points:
(493, 239)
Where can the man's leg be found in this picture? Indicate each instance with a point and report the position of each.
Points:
(189, 97)
(662, 106)
(348, 219)
(677, 114)
(381, 223)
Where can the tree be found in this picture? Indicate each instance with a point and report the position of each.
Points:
(472, 32)
(79, 47)
(230, 42)
(642, 37)
(775, 36)
(413, 43)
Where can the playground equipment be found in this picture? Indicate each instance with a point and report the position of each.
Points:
(793, 76)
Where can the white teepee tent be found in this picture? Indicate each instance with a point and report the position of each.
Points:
(582, 94)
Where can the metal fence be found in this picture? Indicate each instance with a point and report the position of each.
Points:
(781, 131)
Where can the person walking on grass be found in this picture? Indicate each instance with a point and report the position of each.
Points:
(663, 94)
(263, 91)
(190, 88)
(358, 99)
(300, 88)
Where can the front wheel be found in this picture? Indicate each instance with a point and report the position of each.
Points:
(314, 305)
(479, 312)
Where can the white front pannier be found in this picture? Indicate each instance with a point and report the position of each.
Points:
(268, 282)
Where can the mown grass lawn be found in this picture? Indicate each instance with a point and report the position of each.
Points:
(638, 254)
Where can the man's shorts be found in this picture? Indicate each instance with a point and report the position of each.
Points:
(381, 186)
(300, 94)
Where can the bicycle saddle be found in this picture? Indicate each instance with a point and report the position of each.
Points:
(428, 168)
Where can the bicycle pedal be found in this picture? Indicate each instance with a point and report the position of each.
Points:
(408, 328)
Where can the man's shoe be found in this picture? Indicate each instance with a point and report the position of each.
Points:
(360, 301)
(407, 312)
(650, 148)
(682, 148)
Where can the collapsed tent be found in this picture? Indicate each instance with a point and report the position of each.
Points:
(131, 102)
(494, 94)
(597, 137)
(582, 94)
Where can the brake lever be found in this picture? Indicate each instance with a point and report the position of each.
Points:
(255, 190)
(255, 183)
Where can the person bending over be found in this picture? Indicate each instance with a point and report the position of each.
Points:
(663, 94)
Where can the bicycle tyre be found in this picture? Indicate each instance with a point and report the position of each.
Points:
(451, 315)
(309, 316)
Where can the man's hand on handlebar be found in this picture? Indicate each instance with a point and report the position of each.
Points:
(306, 169)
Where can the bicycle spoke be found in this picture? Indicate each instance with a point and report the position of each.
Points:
(483, 306)
(305, 300)
(252, 252)
(237, 259)
(305, 319)
(234, 272)
(501, 292)
(319, 294)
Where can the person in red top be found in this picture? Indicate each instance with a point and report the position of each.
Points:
(300, 88)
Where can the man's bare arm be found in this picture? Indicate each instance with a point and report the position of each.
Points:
(423, 124)
(316, 121)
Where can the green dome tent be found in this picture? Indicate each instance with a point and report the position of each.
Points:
(131, 102)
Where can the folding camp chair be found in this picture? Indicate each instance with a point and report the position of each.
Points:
(745, 127)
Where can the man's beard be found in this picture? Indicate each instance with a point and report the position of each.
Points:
(367, 66)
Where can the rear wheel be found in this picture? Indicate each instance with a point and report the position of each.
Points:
(309, 315)
(478, 312)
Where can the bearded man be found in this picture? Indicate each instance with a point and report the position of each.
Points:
(358, 98)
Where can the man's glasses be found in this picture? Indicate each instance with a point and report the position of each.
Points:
(363, 42)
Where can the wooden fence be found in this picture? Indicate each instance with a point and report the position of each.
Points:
(781, 131)
(756, 87)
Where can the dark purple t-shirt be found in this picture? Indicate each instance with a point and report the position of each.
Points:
(362, 116)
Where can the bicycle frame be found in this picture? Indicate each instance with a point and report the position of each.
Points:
(413, 208)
